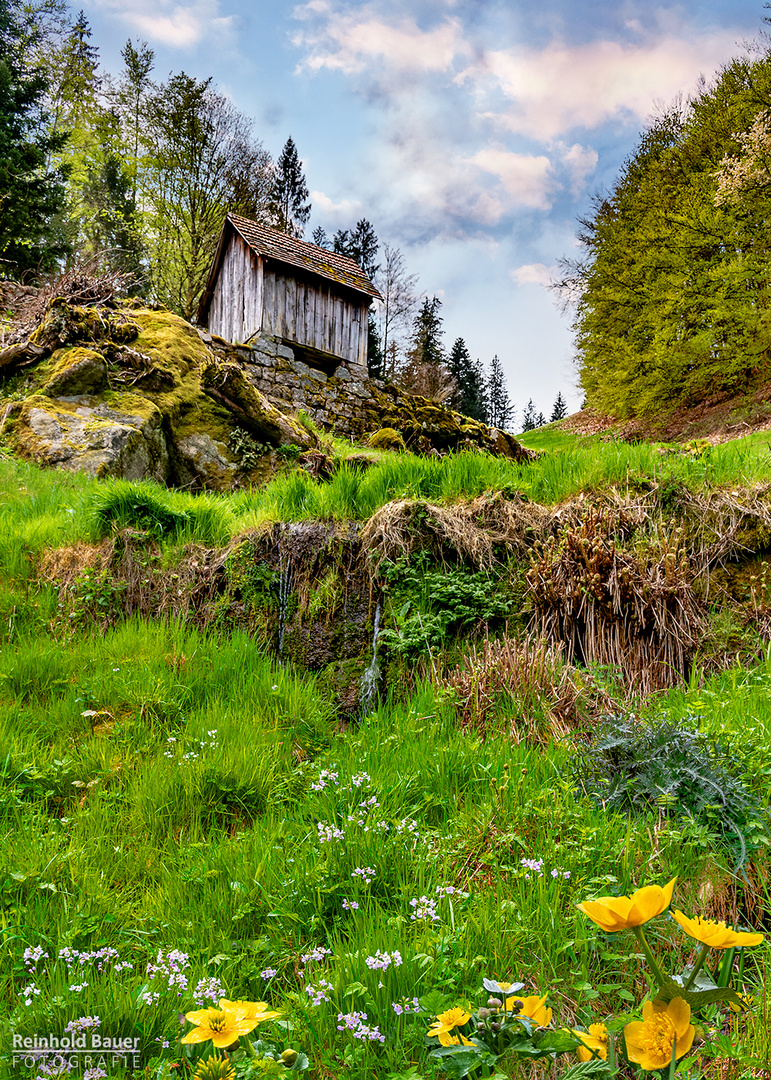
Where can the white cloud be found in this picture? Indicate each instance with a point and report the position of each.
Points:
(524, 177)
(166, 23)
(351, 41)
(471, 127)
(581, 161)
(547, 92)
(340, 213)
(534, 274)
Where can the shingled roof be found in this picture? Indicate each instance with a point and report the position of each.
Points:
(273, 244)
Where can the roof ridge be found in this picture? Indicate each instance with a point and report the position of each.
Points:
(273, 243)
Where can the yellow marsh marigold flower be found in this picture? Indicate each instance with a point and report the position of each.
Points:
(532, 1007)
(253, 1010)
(612, 913)
(596, 1038)
(446, 1039)
(715, 934)
(222, 1026)
(448, 1020)
(649, 1041)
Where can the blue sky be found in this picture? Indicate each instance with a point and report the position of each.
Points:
(471, 133)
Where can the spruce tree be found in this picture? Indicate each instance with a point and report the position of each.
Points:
(500, 411)
(289, 206)
(470, 397)
(529, 416)
(424, 371)
(32, 192)
(559, 409)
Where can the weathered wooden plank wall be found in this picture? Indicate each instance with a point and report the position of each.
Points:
(313, 315)
(236, 305)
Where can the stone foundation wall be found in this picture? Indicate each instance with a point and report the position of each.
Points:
(349, 403)
(336, 402)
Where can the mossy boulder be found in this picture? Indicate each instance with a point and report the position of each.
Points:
(119, 436)
(386, 439)
(77, 372)
(426, 425)
(134, 392)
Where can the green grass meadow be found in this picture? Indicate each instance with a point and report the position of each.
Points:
(185, 820)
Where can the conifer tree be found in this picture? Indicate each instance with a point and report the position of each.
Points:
(289, 206)
(470, 397)
(559, 409)
(529, 416)
(424, 370)
(500, 411)
(32, 191)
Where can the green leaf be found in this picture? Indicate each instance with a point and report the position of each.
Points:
(585, 1069)
(433, 1002)
(670, 989)
(458, 1061)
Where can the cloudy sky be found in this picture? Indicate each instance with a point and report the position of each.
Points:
(471, 133)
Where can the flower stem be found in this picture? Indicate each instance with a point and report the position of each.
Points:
(697, 966)
(247, 1043)
(652, 961)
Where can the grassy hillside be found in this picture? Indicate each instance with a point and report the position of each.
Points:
(188, 820)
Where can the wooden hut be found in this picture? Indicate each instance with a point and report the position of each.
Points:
(265, 283)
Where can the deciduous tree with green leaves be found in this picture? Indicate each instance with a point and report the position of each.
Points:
(674, 284)
(202, 161)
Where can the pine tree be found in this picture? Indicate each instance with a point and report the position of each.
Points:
(500, 411)
(427, 333)
(559, 409)
(540, 420)
(289, 206)
(320, 238)
(32, 192)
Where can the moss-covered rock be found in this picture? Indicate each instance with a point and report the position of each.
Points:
(120, 436)
(75, 372)
(386, 439)
(427, 425)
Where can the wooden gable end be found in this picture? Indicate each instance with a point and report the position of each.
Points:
(235, 308)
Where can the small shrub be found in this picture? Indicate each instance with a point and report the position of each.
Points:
(669, 766)
(248, 451)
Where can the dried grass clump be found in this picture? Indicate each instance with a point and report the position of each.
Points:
(127, 568)
(84, 284)
(635, 609)
(533, 674)
(469, 532)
